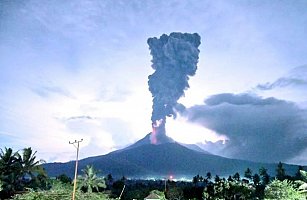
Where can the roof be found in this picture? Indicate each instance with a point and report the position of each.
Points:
(152, 196)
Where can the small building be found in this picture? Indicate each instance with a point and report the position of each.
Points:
(152, 196)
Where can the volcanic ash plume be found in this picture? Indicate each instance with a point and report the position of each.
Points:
(174, 59)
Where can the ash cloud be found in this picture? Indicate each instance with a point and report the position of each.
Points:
(267, 130)
(174, 59)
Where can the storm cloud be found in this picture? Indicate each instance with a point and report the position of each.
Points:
(258, 129)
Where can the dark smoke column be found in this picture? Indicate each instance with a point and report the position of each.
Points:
(174, 59)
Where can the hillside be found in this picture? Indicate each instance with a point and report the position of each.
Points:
(161, 160)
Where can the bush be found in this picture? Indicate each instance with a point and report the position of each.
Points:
(59, 191)
(283, 190)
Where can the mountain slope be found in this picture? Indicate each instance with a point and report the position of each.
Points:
(160, 160)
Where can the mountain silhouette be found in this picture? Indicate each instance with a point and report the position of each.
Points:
(143, 160)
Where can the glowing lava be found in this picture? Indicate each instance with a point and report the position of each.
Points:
(156, 131)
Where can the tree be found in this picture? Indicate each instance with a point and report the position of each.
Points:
(10, 171)
(217, 178)
(109, 181)
(174, 193)
(282, 190)
(90, 180)
(29, 163)
(256, 179)
(32, 168)
(280, 172)
(303, 175)
(220, 188)
(264, 175)
(18, 172)
(230, 179)
(117, 187)
(302, 182)
(195, 179)
(209, 176)
(59, 191)
(228, 189)
(298, 175)
(248, 173)
(110, 178)
(201, 178)
(63, 178)
(238, 190)
(236, 176)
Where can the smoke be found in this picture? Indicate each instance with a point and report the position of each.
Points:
(174, 59)
(258, 129)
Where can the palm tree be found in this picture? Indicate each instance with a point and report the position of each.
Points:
(90, 180)
(9, 161)
(10, 171)
(15, 168)
(30, 166)
(32, 169)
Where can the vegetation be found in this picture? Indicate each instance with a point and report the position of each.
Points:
(90, 180)
(59, 191)
(23, 178)
(20, 171)
(283, 190)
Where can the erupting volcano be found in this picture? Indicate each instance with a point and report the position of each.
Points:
(174, 59)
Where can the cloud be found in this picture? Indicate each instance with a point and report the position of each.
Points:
(282, 82)
(53, 105)
(100, 135)
(291, 87)
(46, 91)
(295, 78)
(79, 117)
(300, 159)
(216, 147)
(113, 94)
(258, 129)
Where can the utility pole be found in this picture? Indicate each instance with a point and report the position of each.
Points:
(76, 167)
(120, 196)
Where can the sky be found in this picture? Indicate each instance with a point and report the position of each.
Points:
(79, 69)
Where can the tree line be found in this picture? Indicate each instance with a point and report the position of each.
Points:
(23, 177)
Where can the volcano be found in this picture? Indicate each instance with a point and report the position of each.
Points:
(143, 159)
